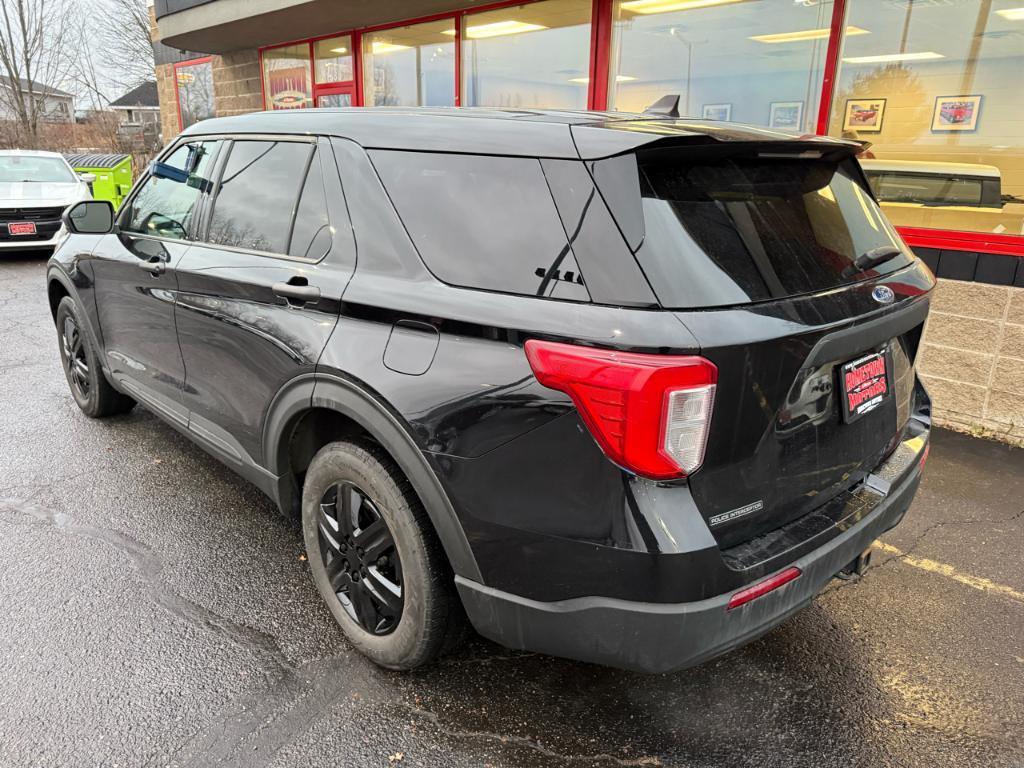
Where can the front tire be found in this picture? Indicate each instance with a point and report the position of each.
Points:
(88, 384)
(375, 557)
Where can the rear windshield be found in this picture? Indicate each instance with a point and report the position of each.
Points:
(750, 228)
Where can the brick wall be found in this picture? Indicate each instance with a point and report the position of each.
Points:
(164, 87)
(236, 83)
(972, 358)
(168, 105)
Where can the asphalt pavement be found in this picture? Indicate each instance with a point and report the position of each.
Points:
(158, 611)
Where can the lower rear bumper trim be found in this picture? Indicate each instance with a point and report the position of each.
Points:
(663, 637)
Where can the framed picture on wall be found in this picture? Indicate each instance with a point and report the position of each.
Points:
(956, 113)
(717, 112)
(864, 115)
(787, 115)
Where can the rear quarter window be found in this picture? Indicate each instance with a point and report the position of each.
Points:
(483, 222)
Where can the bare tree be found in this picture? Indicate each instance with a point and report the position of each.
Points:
(122, 27)
(36, 50)
(117, 54)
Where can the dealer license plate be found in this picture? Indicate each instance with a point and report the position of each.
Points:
(22, 227)
(865, 385)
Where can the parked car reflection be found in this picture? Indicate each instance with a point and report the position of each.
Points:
(939, 195)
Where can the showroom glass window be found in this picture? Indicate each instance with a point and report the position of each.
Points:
(287, 79)
(333, 59)
(758, 62)
(195, 92)
(533, 55)
(412, 66)
(936, 89)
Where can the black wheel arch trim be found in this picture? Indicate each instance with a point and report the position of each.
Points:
(57, 275)
(353, 401)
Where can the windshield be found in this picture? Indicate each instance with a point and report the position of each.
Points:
(35, 168)
(747, 228)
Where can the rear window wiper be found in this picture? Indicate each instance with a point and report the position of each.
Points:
(870, 259)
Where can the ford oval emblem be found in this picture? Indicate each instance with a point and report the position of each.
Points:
(883, 294)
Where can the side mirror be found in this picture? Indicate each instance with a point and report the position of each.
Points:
(88, 178)
(90, 217)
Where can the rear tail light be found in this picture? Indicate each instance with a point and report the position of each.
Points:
(762, 588)
(649, 413)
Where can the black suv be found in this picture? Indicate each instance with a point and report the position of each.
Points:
(621, 388)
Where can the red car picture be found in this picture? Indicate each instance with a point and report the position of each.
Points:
(864, 115)
(956, 113)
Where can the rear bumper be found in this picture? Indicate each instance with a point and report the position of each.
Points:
(662, 637)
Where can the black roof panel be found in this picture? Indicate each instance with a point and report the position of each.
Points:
(528, 132)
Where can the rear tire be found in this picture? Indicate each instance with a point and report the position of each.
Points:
(89, 386)
(366, 534)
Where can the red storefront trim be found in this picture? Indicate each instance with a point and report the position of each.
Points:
(458, 60)
(947, 240)
(828, 82)
(357, 67)
(600, 54)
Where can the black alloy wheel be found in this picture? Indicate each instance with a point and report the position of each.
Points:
(358, 552)
(88, 384)
(75, 361)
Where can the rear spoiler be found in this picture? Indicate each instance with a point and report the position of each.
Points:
(620, 137)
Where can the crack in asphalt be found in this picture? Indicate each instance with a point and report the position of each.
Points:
(919, 539)
(525, 741)
(912, 548)
(149, 566)
(272, 717)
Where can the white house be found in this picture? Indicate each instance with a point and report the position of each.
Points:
(55, 105)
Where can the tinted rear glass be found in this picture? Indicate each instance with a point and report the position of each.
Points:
(743, 229)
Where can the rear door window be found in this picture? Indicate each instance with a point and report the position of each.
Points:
(483, 222)
(748, 228)
(258, 197)
(311, 234)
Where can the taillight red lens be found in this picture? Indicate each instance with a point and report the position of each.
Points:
(649, 413)
(762, 588)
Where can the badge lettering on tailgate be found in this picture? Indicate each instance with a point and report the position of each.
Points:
(732, 514)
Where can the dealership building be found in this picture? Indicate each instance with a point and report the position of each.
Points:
(933, 85)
